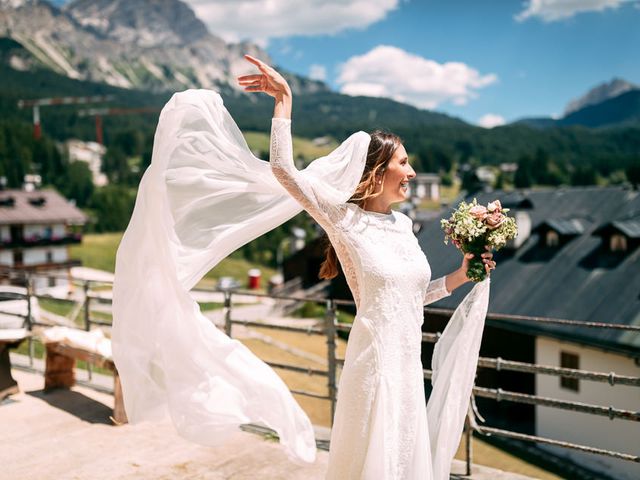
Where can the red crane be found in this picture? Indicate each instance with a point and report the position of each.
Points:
(45, 102)
(102, 112)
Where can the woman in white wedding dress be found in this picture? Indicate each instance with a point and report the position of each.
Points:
(382, 429)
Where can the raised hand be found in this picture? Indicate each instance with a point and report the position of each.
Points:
(268, 80)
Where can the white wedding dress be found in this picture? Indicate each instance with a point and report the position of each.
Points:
(205, 195)
(380, 429)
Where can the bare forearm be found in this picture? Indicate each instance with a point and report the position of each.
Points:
(282, 108)
(455, 279)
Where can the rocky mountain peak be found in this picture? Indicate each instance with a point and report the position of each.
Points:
(600, 93)
(139, 22)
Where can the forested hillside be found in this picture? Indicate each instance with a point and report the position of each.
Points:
(437, 142)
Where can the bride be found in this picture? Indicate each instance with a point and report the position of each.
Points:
(380, 429)
(204, 196)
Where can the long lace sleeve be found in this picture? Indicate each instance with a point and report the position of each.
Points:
(300, 186)
(436, 290)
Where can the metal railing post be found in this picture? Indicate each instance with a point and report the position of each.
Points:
(468, 432)
(87, 320)
(29, 318)
(227, 312)
(330, 319)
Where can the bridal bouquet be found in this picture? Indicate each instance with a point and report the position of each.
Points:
(473, 227)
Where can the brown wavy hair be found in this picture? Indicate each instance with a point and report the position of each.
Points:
(381, 149)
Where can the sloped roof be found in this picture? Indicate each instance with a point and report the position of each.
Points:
(36, 207)
(630, 227)
(564, 226)
(573, 283)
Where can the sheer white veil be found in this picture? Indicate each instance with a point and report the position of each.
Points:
(204, 196)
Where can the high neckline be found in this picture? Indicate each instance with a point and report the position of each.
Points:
(377, 214)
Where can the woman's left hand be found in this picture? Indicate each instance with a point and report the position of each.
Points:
(487, 259)
(268, 80)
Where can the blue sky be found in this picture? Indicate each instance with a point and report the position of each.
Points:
(467, 58)
(486, 61)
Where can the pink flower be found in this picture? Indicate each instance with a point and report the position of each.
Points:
(495, 219)
(479, 212)
(494, 206)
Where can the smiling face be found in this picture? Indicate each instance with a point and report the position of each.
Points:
(396, 177)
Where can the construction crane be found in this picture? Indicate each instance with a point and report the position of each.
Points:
(46, 102)
(98, 113)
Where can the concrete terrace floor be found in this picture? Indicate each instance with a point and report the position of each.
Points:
(67, 434)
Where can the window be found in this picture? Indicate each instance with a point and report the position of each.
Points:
(569, 360)
(618, 243)
(49, 256)
(552, 238)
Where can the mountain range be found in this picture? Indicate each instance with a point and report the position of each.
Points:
(610, 104)
(161, 46)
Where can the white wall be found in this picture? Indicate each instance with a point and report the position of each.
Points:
(59, 254)
(59, 230)
(5, 233)
(593, 430)
(34, 256)
(6, 257)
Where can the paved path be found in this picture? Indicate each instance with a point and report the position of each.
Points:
(67, 435)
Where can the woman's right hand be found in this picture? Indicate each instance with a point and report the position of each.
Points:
(268, 80)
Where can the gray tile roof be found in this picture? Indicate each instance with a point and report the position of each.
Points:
(565, 226)
(579, 280)
(37, 207)
(630, 227)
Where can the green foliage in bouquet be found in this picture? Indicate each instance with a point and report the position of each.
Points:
(473, 227)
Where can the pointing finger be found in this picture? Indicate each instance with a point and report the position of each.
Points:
(255, 61)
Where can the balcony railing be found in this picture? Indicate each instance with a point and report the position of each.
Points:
(38, 240)
(330, 327)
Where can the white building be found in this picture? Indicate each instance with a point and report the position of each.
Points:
(577, 257)
(36, 229)
(425, 186)
(91, 153)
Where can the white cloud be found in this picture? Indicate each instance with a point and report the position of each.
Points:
(318, 72)
(236, 20)
(491, 120)
(553, 10)
(391, 72)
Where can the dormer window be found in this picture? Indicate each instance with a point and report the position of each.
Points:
(37, 201)
(552, 238)
(618, 243)
(7, 201)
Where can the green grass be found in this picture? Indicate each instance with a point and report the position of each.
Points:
(205, 306)
(38, 349)
(59, 307)
(99, 251)
(65, 307)
(302, 147)
(317, 310)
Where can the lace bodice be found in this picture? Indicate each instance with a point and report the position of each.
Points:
(369, 245)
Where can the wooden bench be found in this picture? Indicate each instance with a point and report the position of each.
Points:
(9, 339)
(59, 372)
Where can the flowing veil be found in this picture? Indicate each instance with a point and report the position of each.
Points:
(204, 196)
